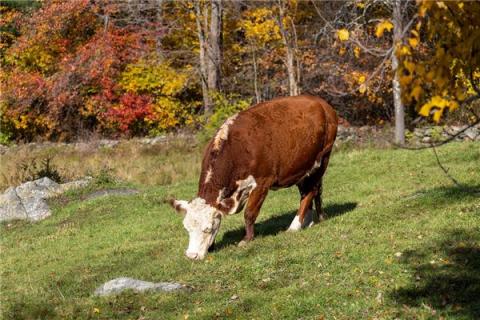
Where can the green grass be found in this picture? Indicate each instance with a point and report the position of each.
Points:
(401, 242)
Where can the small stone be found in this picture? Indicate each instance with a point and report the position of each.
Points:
(471, 133)
(234, 297)
(426, 139)
(398, 254)
(105, 143)
(121, 284)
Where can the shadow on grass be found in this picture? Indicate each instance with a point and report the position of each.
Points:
(275, 224)
(446, 194)
(448, 282)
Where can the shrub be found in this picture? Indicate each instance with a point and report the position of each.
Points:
(225, 106)
(33, 169)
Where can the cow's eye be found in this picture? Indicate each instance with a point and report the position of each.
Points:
(207, 230)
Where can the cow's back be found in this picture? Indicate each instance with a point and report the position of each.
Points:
(279, 140)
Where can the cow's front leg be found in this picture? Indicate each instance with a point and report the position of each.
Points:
(254, 204)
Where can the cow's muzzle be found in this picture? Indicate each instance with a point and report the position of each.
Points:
(193, 255)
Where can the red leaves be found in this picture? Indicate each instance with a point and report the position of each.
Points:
(132, 110)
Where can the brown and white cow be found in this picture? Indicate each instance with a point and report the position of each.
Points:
(271, 145)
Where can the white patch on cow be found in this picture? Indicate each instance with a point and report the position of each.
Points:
(308, 221)
(222, 134)
(295, 225)
(208, 176)
(314, 168)
(221, 195)
(202, 221)
(244, 189)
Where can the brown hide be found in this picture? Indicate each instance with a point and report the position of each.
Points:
(277, 142)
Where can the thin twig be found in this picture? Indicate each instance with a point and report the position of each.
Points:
(445, 170)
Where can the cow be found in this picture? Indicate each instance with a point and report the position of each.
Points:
(275, 144)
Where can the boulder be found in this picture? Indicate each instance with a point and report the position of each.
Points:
(121, 284)
(28, 200)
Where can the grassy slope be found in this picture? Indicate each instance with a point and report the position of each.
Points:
(381, 202)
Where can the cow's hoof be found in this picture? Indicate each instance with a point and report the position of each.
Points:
(296, 225)
(243, 243)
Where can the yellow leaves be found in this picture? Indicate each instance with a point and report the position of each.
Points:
(405, 80)
(361, 79)
(360, 4)
(151, 77)
(343, 34)
(410, 66)
(260, 27)
(413, 42)
(430, 76)
(416, 92)
(441, 70)
(342, 51)
(167, 112)
(382, 26)
(404, 51)
(436, 106)
(441, 5)
(21, 123)
(356, 52)
(362, 89)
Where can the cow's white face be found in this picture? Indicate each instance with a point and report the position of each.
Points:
(202, 222)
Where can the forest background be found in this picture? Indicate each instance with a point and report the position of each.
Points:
(75, 69)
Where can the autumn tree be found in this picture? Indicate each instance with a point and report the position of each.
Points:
(441, 60)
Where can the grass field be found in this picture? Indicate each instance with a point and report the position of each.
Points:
(401, 241)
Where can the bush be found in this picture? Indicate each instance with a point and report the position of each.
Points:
(33, 169)
(225, 106)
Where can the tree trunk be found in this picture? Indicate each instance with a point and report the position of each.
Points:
(202, 57)
(290, 54)
(397, 90)
(215, 46)
(158, 37)
(255, 77)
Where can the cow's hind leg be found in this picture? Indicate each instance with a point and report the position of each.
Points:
(305, 206)
(254, 204)
(318, 197)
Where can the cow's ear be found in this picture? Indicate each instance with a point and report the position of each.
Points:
(179, 205)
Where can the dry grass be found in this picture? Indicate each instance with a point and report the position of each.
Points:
(129, 161)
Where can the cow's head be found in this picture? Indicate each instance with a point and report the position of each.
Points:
(202, 222)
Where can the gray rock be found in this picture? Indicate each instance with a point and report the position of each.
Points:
(36, 208)
(11, 206)
(42, 188)
(426, 139)
(75, 184)
(121, 284)
(28, 200)
(108, 143)
(472, 133)
(154, 140)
